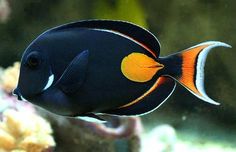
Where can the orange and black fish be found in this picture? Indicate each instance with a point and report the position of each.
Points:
(107, 67)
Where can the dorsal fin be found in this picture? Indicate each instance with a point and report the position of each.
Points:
(134, 32)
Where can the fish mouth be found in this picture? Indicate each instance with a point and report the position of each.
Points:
(16, 92)
(26, 97)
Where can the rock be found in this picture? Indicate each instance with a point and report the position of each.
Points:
(161, 139)
(71, 134)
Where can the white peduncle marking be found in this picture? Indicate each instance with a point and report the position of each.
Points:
(49, 83)
(23, 98)
(91, 119)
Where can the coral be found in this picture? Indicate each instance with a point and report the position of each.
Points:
(9, 77)
(24, 131)
(162, 138)
(118, 134)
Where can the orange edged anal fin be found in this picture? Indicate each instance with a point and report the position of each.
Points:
(139, 67)
(149, 101)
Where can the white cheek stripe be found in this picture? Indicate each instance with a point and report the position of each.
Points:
(50, 81)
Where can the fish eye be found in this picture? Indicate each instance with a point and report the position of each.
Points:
(33, 61)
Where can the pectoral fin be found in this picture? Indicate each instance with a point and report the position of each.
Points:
(75, 74)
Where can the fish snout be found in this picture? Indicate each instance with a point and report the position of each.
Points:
(17, 93)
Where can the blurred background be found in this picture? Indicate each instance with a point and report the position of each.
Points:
(178, 24)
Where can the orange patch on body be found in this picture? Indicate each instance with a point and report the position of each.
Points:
(189, 67)
(139, 67)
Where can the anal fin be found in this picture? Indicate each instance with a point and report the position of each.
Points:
(149, 101)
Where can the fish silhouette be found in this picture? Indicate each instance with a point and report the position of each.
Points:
(94, 67)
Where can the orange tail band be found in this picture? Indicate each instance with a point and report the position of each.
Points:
(192, 68)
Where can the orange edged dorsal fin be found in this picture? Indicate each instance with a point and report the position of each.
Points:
(139, 67)
(135, 33)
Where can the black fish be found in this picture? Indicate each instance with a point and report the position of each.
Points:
(111, 67)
